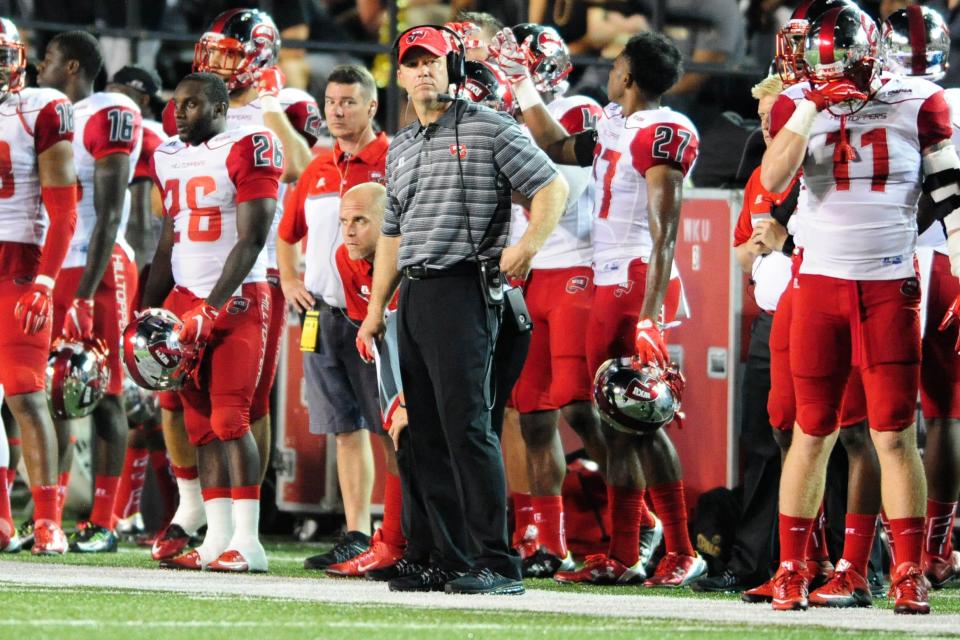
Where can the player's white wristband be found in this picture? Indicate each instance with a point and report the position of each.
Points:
(44, 281)
(271, 104)
(801, 122)
(526, 94)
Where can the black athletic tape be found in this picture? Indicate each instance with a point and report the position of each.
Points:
(788, 246)
(584, 145)
(940, 179)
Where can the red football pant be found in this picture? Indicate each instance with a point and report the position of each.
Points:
(838, 324)
(112, 309)
(278, 319)
(23, 358)
(555, 372)
(231, 364)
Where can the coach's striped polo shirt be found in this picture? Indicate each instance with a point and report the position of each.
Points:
(425, 204)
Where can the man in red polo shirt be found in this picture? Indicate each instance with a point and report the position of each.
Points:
(361, 215)
(341, 389)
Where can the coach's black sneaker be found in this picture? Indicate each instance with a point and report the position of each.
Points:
(430, 579)
(544, 564)
(484, 581)
(349, 545)
(400, 569)
(94, 539)
(726, 582)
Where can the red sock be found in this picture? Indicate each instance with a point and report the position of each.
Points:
(45, 501)
(104, 495)
(5, 515)
(63, 481)
(908, 532)
(817, 542)
(625, 515)
(391, 530)
(166, 485)
(548, 516)
(939, 527)
(522, 515)
(858, 540)
(670, 505)
(185, 473)
(646, 517)
(886, 529)
(794, 533)
(130, 489)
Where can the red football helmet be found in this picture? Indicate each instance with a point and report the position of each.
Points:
(637, 399)
(485, 84)
(790, 37)
(549, 62)
(77, 377)
(13, 59)
(152, 354)
(238, 44)
(842, 44)
(915, 41)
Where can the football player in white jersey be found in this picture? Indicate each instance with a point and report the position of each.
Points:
(863, 143)
(144, 441)
(96, 288)
(558, 292)
(640, 154)
(241, 46)
(36, 134)
(219, 191)
(916, 42)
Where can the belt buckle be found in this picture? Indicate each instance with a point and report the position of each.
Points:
(416, 272)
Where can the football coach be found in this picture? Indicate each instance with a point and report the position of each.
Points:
(450, 177)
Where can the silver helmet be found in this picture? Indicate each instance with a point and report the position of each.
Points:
(915, 41)
(77, 377)
(151, 351)
(634, 398)
(141, 403)
(842, 44)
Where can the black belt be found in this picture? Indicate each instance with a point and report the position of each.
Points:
(422, 272)
(321, 305)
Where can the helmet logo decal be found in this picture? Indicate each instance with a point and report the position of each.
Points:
(640, 391)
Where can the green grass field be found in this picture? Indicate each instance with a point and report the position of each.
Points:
(143, 611)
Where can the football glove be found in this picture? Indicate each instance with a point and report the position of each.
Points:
(512, 57)
(833, 93)
(33, 308)
(950, 318)
(78, 323)
(650, 345)
(197, 326)
(269, 81)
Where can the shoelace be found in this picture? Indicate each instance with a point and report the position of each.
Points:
(790, 584)
(594, 559)
(342, 550)
(485, 576)
(910, 586)
(843, 579)
(669, 565)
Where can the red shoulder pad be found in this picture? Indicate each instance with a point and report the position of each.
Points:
(113, 129)
(580, 118)
(255, 164)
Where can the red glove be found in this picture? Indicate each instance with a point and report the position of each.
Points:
(78, 323)
(833, 93)
(33, 308)
(468, 32)
(198, 324)
(365, 353)
(269, 81)
(651, 349)
(949, 318)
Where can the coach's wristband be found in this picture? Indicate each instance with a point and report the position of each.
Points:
(526, 94)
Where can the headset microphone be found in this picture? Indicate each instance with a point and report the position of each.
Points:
(445, 97)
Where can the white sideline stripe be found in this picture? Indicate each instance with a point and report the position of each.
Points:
(312, 624)
(363, 592)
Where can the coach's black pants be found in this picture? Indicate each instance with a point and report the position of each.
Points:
(752, 545)
(450, 460)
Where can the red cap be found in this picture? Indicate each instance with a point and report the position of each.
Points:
(429, 38)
